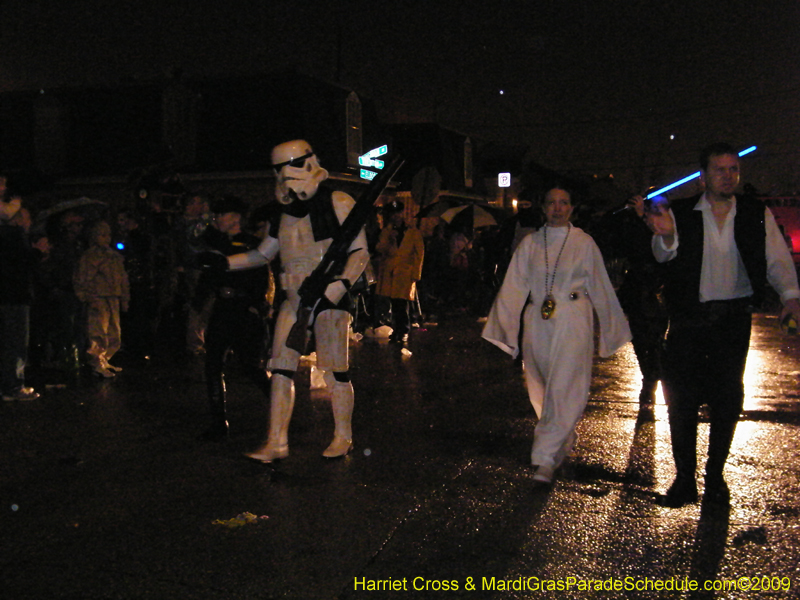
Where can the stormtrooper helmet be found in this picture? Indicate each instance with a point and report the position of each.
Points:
(298, 171)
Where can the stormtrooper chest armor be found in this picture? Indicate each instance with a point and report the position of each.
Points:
(300, 253)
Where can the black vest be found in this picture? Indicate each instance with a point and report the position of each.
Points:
(682, 285)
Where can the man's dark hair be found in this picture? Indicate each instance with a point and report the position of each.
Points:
(718, 149)
(229, 204)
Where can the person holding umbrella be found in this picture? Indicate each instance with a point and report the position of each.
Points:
(468, 276)
(556, 281)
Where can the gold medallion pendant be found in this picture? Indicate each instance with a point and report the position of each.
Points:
(549, 304)
(548, 307)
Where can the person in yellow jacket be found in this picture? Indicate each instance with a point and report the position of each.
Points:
(401, 252)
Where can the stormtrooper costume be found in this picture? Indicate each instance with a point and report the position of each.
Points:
(302, 236)
(557, 352)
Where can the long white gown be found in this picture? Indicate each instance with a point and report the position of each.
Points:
(557, 352)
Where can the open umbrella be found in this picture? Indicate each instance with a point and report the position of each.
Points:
(79, 203)
(435, 209)
(469, 217)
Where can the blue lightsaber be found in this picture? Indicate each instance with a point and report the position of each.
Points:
(689, 178)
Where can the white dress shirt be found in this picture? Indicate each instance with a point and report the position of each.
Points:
(723, 275)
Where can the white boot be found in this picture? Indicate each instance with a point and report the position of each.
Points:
(342, 401)
(544, 475)
(280, 413)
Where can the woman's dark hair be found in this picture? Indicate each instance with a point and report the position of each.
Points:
(557, 184)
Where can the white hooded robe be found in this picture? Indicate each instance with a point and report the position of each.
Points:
(557, 353)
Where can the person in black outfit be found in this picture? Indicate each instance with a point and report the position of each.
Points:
(641, 294)
(720, 249)
(139, 323)
(512, 230)
(17, 267)
(239, 315)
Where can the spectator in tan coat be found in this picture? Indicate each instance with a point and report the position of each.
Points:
(101, 283)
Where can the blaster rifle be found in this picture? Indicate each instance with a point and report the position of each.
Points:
(333, 262)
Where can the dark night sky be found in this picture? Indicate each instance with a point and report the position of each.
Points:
(591, 87)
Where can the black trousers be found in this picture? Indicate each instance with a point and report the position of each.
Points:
(400, 316)
(648, 322)
(234, 325)
(704, 363)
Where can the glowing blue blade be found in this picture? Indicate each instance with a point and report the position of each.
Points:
(747, 150)
(690, 177)
(672, 185)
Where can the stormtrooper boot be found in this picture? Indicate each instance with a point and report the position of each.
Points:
(342, 400)
(280, 413)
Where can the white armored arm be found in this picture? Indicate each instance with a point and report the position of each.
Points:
(266, 251)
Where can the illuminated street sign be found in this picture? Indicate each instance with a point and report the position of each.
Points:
(379, 151)
(366, 161)
(370, 159)
(504, 180)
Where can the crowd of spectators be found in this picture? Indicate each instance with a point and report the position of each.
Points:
(158, 242)
(159, 316)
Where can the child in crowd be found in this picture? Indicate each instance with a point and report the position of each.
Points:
(101, 283)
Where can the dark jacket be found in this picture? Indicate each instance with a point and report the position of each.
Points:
(17, 266)
(248, 287)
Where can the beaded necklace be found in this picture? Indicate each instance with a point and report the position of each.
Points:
(549, 304)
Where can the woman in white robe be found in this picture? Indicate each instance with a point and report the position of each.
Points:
(557, 351)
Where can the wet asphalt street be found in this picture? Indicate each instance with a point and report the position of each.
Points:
(106, 493)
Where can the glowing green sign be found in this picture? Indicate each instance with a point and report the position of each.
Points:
(370, 159)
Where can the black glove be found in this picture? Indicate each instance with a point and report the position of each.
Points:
(313, 287)
(212, 261)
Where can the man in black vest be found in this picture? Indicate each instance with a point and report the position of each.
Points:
(721, 250)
